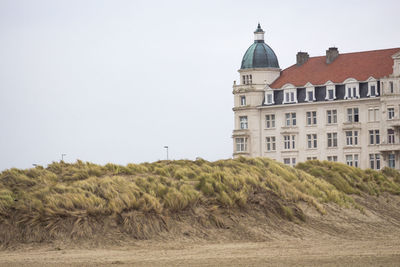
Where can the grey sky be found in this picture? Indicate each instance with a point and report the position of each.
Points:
(115, 81)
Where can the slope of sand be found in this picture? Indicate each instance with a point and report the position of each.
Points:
(342, 237)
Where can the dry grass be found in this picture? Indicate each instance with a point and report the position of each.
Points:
(44, 199)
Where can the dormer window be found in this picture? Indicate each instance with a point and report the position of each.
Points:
(269, 96)
(310, 95)
(330, 91)
(289, 94)
(372, 87)
(352, 89)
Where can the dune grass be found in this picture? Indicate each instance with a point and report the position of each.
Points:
(44, 196)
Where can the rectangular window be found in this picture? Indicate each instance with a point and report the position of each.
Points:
(390, 113)
(330, 94)
(271, 143)
(270, 121)
(373, 90)
(354, 91)
(392, 161)
(331, 116)
(243, 100)
(243, 122)
(292, 96)
(349, 92)
(311, 117)
(287, 161)
(374, 137)
(287, 98)
(373, 114)
(310, 95)
(332, 158)
(375, 161)
(390, 136)
(311, 158)
(332, 139)
(351, 138)
(352, 115)
(290, 119)
(289, 141)
(269, 98)
(311, 140)
(352, 160)
(391, 87)
(241, 144)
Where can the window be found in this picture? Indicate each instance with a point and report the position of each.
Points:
(352, 115)
(311, 140)
(311, 158)
(270, 98)
(311, 117)
(247, 79)
(271, 144)
(290, 96)
(289, 141)
(287, 161)
(330, 93)
(375, 161)
(243, 122)
(242, 100)
(331, 116)
(391, 87)
(352, 160)
(351, 138)
(332, 139)
(390, 113)
(390, 136)
(373, 114)
(270, 121)
(290, 119)
(392, 161)
(372, 88)
(250, 79)
(310, 96)
(241, 144)
(374, 137)
(352, 91)
(332, 158)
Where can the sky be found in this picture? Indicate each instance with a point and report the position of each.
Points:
(117, 80)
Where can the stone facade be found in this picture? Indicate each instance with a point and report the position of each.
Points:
(350, 117)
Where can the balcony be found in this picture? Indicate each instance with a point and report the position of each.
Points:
(394, 123)
(241, 132)
(388, 148)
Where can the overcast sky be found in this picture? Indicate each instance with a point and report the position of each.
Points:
(116, 81)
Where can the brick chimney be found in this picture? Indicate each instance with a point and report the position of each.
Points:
(331, 54)
(301, 58)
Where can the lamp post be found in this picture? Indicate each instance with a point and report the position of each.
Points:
(62, 156)
(166, 147)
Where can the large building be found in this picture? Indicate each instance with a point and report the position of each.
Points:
(338, 107)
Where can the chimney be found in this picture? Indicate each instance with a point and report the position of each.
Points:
(301, 58)
(331, 54)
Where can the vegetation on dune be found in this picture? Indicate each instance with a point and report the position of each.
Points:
(44, 197)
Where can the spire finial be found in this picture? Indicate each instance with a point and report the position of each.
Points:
(259, 34)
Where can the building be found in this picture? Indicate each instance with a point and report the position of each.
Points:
(337, 107)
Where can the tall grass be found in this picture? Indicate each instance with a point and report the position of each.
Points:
(46, 196)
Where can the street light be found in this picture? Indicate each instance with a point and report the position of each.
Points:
(166, 147)
(62, 156)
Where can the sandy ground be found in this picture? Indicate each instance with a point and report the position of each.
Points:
(342, 237)
(291, 252)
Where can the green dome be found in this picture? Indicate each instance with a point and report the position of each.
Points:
(259, 54)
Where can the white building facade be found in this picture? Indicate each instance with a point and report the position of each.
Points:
(338, 107)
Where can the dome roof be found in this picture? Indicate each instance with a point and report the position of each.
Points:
(259, 54)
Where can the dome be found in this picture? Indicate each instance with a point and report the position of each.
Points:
(259, 54)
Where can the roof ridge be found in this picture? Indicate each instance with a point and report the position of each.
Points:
(359, 52)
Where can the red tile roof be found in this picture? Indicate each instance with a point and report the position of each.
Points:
(359, 65)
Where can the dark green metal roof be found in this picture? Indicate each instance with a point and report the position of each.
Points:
(259, 55)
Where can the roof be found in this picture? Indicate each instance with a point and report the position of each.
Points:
(358, 65)
(259, 55)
